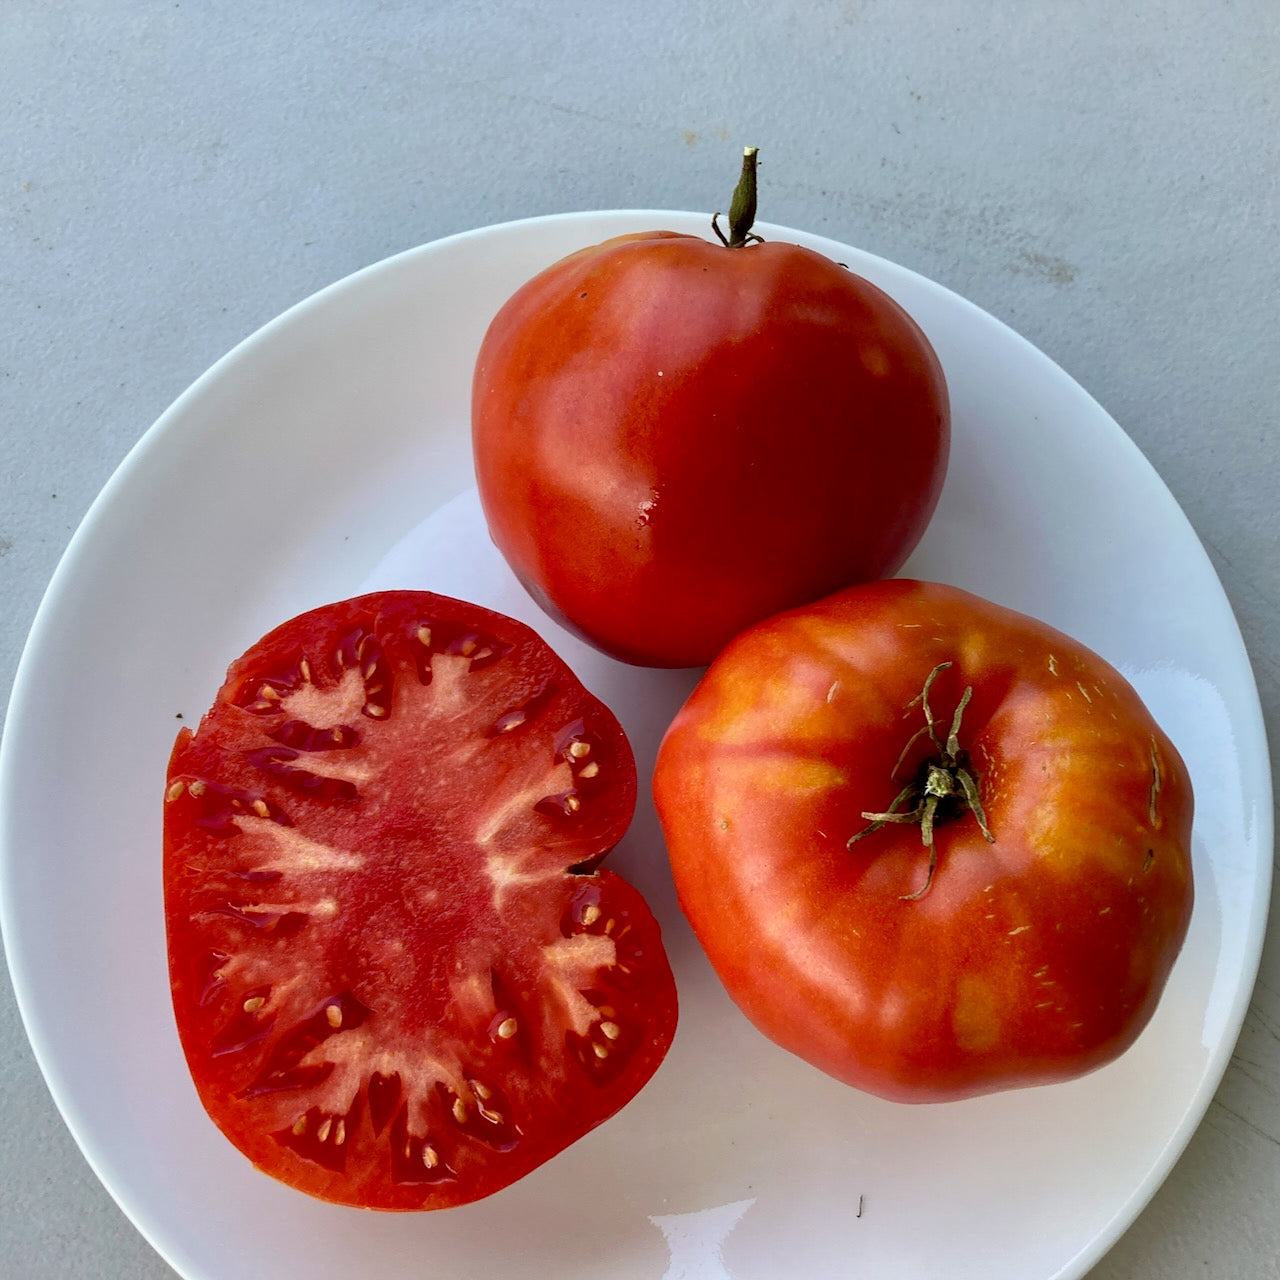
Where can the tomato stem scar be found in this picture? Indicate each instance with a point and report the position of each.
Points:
(937, 782)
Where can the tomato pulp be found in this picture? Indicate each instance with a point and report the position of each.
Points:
(400, 976)
(1025, 938)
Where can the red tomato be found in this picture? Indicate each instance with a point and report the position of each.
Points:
(400, 979)
(674, 438)
(1031, 944)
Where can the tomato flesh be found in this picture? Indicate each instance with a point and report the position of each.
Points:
(400, 977)
(674, 439)
(1031, 956)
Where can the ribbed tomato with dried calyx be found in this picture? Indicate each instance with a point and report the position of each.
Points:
(675, 438)
(932, 846)
(400, 976)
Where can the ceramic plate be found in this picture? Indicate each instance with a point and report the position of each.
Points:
(329, 455)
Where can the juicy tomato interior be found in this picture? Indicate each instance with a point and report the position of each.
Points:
(400, 979)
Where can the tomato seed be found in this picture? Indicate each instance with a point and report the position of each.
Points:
(460, 1111)
(611, 1030)
(254, 1003)
(590, 913)
(175, 790)
(579, 749)
(322, 1134)
(333, 1015)
(429, 1157)
(507, 1028)
(600, 1050)
(424, 636)
(589, 770)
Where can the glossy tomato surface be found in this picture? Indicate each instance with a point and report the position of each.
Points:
(401, 979)
(1035, 949)
(674, 439)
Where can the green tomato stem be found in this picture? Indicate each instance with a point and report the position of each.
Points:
(742, 208)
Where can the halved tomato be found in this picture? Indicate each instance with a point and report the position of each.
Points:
(400, 978)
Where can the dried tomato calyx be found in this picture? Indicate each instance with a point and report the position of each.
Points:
(942, 788)
(742, 208)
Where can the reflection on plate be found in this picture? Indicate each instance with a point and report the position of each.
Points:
(329, 455)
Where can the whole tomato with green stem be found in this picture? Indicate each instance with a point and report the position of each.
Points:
(675, 438)
(932, 846)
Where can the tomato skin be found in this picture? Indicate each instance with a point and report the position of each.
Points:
(400, 976)
(674, 439)
(1029, 959)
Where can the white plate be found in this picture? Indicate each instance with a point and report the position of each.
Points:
(329, 454)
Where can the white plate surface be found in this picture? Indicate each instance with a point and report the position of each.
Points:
(328, 455)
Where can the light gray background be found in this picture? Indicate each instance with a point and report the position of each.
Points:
(1102, 176)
